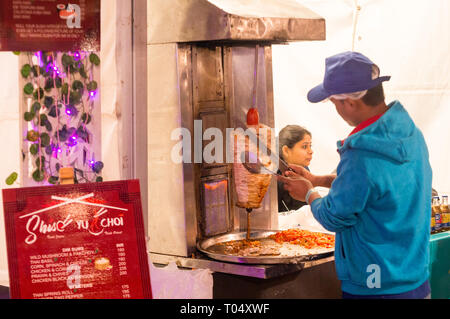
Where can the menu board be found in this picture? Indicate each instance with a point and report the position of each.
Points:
(49, 25)
(80, 241)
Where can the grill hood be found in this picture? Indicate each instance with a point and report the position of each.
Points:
(232, 20)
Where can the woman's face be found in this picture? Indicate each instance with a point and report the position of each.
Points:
(300, 153)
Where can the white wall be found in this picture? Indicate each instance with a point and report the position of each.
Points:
(408, 39)
(9, 137)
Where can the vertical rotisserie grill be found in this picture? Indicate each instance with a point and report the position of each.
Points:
(201, 56)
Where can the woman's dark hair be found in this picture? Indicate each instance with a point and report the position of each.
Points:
(374, 96)
(289, 136)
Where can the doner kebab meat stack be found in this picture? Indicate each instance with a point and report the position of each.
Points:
(251, 187)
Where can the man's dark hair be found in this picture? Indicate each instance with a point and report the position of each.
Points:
(374, 96)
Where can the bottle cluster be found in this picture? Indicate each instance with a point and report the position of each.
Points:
(440, 214)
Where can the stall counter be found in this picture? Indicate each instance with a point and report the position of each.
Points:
(440, 265)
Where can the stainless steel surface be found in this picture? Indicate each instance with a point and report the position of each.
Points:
(242, 59)
(248, 270)
(255, 78)
(205, 247)
(201, 63)
(172, 197)
(190, 184)
(211, 117)
(243, 64)
(197, 87)
(231, 20)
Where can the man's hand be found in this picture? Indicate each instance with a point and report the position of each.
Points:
(316, 180)
(300, 171)
(297, 186)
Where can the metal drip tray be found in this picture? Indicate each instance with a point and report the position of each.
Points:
(289, 254)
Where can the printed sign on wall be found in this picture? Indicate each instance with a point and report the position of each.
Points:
(50, 25)
(82, 241)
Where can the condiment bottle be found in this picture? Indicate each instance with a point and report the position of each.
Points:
(436, 212)
(445, 214)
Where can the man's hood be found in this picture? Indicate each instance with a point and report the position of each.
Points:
(391, 136)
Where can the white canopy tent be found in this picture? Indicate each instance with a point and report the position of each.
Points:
(408, 39)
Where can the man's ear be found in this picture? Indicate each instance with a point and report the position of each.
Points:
(353, 104)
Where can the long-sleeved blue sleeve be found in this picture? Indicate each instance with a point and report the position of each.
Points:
(347, 198)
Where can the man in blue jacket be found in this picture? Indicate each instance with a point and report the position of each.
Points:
(379, 203)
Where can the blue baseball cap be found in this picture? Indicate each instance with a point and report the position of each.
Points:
(346, 72)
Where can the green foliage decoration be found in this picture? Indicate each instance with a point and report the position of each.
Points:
(62, 89)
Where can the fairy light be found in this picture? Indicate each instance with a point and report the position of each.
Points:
(48, 67)
(56, 151)
(72, 141)
(77, 56)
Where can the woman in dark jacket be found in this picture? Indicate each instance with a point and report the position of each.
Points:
(294, 148)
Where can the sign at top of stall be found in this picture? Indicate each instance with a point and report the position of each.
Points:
(79, 241)
(55, 25)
